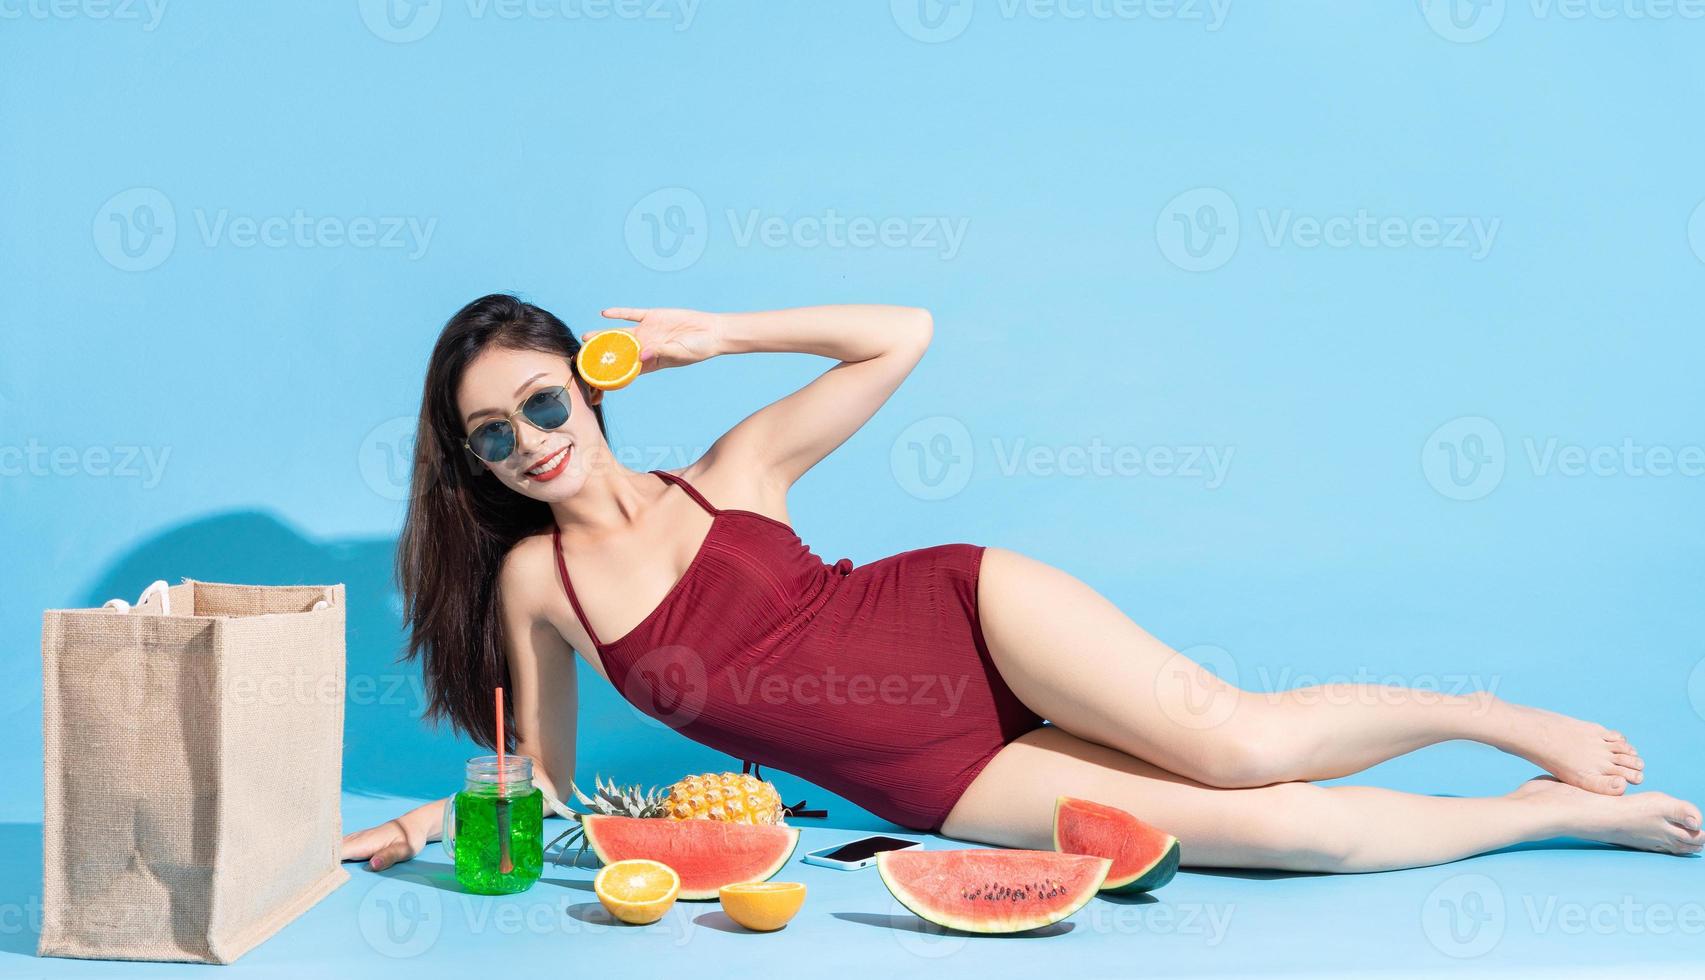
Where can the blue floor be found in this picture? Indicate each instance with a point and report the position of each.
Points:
(1539, 637)
(1544, 911)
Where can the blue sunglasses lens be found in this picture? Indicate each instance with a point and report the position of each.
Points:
(547, 408)
(493, 441)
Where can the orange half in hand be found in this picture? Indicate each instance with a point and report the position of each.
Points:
(609, 359)
(637, 891)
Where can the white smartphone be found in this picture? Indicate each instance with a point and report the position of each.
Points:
(856, 854)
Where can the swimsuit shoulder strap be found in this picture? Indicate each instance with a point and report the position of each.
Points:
(568, 587)
(691, 492)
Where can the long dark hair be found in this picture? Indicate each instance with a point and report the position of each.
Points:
(462, 522)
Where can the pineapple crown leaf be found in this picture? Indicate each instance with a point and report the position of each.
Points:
(609, 797)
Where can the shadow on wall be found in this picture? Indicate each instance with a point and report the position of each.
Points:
(388, 749)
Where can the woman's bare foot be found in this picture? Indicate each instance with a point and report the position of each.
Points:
(1645, 821)
(1577, 752)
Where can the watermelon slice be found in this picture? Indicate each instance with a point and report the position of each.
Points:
(991, 890)
(1144, 857)
(707, 854)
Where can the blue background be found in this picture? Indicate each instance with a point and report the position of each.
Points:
(588, 161)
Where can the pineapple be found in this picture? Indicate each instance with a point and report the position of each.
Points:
(731, 796)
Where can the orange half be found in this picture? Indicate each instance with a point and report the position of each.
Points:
(762, 906)
(609, 359)
(637, 892)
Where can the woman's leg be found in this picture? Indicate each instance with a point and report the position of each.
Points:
(1077, 660)
(1298, 826)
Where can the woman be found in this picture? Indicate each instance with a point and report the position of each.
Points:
(916, 685)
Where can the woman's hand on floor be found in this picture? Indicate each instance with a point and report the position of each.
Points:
(389, 843)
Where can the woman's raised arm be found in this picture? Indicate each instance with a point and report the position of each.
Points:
(876, 345)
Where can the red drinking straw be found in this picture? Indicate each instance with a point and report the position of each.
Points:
(500, 741)
(504, 864)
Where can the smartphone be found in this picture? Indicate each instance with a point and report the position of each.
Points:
(857, 854)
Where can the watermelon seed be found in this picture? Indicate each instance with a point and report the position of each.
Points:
(992, 892)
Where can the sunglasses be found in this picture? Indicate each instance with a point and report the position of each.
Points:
(545, 410)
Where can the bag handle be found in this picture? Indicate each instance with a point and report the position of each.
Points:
(160, 588)
(156, 587)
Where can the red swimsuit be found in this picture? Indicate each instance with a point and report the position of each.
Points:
(874, 683)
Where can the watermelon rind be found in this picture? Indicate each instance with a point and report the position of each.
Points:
(1144, 879)
(595, 824)
(919, 904)
(1155, 875)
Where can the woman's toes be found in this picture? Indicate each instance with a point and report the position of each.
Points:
(1628, 761)
(1684, 815)
(1632, 776)
(1603, 783)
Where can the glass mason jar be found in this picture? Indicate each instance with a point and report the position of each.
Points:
(494, 828)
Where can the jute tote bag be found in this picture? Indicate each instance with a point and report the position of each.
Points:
(193, 759)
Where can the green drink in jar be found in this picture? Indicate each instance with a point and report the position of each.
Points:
(494, 828)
